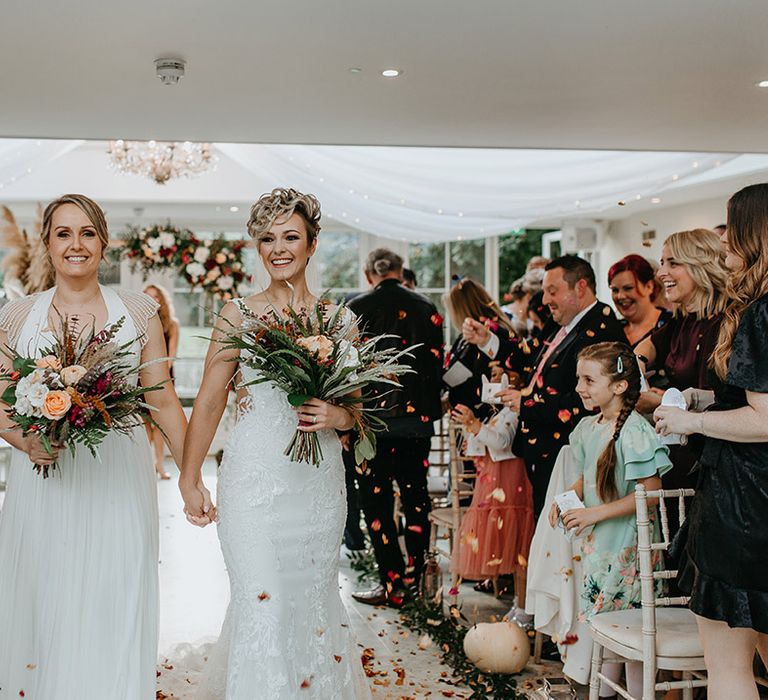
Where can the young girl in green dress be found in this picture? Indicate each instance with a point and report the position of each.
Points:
(613, 450)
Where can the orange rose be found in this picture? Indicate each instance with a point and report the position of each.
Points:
(56, 404)
(320, 345)
(49, 362)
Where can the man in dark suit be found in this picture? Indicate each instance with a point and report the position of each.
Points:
(549, 406)
(402, 451)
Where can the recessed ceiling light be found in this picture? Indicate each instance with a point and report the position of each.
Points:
(655, 200)
(355, 70)
(234, 209)
(762, 84)
(391, 73)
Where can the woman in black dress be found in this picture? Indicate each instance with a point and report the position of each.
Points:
(725, 566)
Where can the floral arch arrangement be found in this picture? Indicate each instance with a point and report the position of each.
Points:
(215, 265)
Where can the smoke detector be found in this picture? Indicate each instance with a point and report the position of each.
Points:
(170, 70)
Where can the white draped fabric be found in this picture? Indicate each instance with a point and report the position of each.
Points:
(412, 194)
(437, 194)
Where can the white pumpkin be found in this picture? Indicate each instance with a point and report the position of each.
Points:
(497, 647)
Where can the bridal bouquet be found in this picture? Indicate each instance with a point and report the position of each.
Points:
(77, 392)
(318, 354)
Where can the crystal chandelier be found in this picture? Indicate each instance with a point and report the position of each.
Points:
(161, 160)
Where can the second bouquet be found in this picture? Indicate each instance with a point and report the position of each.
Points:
(318, 353)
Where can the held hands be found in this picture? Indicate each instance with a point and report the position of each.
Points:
(198, 507)
(38, 454)
(464, 416)
(315, 415)
(475, 332)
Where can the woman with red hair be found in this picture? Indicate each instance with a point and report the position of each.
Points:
(634, 290)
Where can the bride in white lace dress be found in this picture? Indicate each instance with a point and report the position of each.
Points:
(78, 550)
(286, 633)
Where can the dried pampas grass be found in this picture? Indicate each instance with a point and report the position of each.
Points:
(27, 267)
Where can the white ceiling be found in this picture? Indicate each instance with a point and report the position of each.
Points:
(594, 74)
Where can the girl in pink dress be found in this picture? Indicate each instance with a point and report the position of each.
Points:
(497, 529)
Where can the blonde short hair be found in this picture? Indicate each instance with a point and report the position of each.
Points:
(702, 254)
(282, 203)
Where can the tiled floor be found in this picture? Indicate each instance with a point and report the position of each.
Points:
(195, 591)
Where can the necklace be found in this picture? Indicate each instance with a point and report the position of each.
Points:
(75, 317)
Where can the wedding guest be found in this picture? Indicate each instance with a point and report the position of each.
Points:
(497, 529)
(537, 262)
(633, 289)
(726, 567)
(538, 314)
(402, 451)
(171, 326)
(469, 301)
(549, 406)
(694, 274)
(516, 308)
(613, 451)
(409, 278)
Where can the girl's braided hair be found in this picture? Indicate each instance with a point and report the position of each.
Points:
(619, 363)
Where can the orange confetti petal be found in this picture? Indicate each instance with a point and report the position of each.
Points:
(264, 596)
(376, 525)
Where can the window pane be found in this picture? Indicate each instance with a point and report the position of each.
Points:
(187, 307)
(338, 257)
(468, 260)
(427, 260)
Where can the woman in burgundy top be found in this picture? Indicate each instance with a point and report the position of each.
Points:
(694, 276)
(633, 285)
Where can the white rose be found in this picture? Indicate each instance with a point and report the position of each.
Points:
(36, 394)
(202, 254)
(154, 243)
(167, 240)
(351, 356)
(23, 407)
(32, 386)
(195, 269)
(225, 282)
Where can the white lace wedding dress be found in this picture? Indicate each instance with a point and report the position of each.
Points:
(78, 550)
(286, 634)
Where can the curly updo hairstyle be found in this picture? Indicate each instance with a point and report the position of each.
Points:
(280, 204)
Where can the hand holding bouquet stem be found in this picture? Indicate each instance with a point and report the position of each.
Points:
(318, 358)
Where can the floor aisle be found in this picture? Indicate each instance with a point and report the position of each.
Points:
(194, 592)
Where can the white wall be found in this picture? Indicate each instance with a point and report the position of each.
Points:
(625, 235)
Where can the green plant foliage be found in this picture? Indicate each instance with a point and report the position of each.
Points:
(515, 250)
(448, 632)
